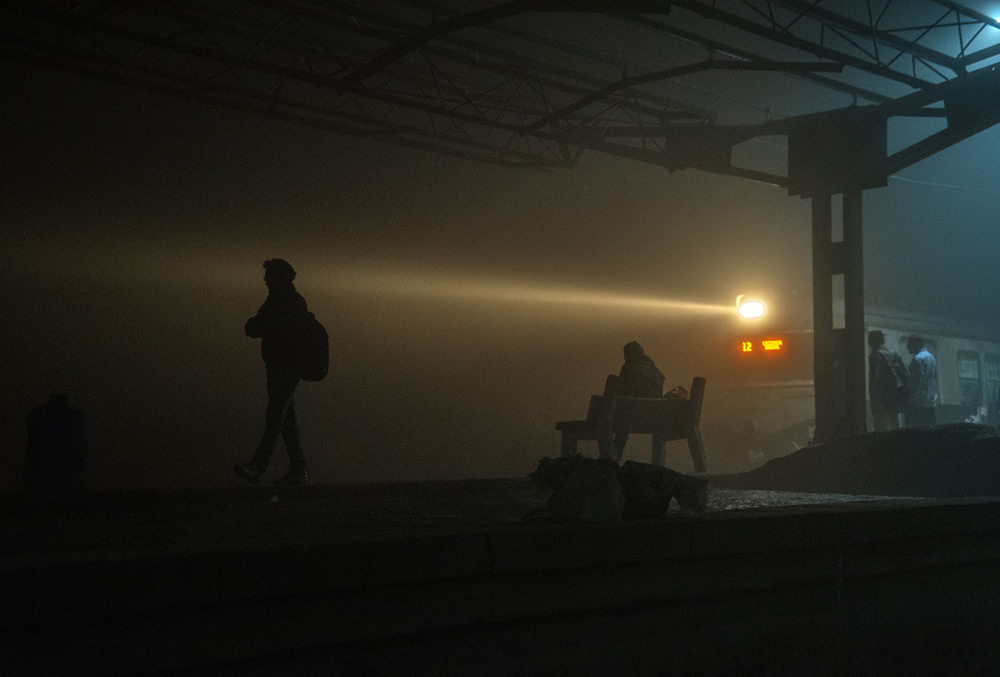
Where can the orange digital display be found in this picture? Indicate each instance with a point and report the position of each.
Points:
(762, 345)
(771, 356)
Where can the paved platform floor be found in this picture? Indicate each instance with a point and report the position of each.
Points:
(137, 524)
(448, 576)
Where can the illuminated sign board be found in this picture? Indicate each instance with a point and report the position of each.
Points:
(784, 355)
(765, 345)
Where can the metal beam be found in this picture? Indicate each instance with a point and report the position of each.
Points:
(730, 50)
(869, 30)
(710, 64)
(711, 12)
(496, 13)
(972, 105)
(963, 9)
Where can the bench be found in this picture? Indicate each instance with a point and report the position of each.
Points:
(664, 419)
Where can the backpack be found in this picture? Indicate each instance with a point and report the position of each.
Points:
(314, 353)
(902, 380)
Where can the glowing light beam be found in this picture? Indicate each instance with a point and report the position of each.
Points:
(498, 291)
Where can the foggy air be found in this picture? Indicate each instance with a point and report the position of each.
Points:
(469, 307)
(462, 337)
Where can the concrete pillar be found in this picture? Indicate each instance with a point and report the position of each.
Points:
(839, 351)
(854, 314)
(823, 353)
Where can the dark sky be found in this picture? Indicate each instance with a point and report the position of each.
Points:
(467, 304)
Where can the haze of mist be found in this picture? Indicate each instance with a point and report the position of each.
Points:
(469, 307)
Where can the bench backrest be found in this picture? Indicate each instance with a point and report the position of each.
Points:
(670, 418)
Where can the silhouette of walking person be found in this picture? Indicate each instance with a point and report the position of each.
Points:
(278, 324)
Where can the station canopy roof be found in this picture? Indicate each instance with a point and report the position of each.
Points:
(702, 84)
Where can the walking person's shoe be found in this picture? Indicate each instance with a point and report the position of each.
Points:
(294, 478)
(247, 471)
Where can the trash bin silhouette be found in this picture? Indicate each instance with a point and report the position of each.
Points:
(55, 463)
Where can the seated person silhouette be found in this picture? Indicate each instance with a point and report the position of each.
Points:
(638, 377)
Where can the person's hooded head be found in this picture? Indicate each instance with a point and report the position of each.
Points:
(633, 351)
(278, 272)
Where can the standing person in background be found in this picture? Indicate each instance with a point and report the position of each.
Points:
(885, 371)
(278, 324)
(921, 409)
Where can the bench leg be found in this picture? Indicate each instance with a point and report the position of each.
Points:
(697, 449)
(606, 444)
(568, 445)
(659, 451)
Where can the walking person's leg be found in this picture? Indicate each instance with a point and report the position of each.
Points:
(281, 384)
(293, 445)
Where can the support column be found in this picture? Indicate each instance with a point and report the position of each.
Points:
(839, 351)
(854, 314)
(823, 353)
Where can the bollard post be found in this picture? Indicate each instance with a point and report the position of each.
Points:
(56, 456)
